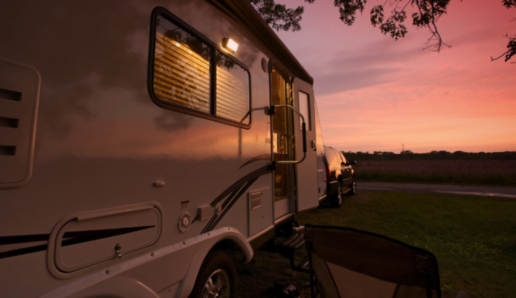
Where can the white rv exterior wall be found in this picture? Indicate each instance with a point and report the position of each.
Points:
(101, 143)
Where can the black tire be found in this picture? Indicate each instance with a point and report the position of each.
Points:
(336, 198)
(353, 190)
(217, 267)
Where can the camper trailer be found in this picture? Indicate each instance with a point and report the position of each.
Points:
(138, 139)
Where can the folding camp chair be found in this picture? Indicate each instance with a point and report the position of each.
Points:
(346, 262)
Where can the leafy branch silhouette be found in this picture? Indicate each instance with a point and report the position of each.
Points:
(427, 14)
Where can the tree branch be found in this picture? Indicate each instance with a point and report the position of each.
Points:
(278, 16)
(511, 49)
(428, 14)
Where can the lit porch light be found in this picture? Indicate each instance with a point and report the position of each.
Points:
(229, 44)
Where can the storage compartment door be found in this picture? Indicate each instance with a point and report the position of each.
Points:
(95, 237)
(307, 192)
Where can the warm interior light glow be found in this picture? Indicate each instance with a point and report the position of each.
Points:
(230, 44)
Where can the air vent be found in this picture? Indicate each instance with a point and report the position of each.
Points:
(19, 95)
(10, 95)
(7, 150)
(8, 122)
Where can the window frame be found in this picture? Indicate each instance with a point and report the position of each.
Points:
(212, 115)
(308, 110)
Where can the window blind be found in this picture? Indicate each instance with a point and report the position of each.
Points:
(181, 76)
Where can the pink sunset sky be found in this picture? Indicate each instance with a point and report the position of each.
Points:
(374, 93)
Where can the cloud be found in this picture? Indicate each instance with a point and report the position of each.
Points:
(375, 63)
(374, 93)
(351, 80)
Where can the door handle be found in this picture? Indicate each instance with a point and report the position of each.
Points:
(272, 111)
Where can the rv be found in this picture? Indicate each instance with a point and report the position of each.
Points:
(142, 140)
(139, 139)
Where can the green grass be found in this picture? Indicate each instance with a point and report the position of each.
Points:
(492, 179)
(473, 238)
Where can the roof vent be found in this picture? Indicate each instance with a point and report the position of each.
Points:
(19, 95)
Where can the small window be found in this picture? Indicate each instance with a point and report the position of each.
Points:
(304, 109)
(188, 74)
(232, 90)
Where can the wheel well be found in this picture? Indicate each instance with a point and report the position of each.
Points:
(231, 248)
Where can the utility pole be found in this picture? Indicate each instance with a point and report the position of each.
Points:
(402, 147)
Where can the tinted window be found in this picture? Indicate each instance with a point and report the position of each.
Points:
(343, 157)
(331, 156)
(338, 159)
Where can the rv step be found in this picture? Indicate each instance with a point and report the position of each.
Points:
(295, 241)
(304, 264)
(287, 248)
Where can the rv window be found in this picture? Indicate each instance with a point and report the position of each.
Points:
(188, 74)
(304, 109)
(232, 90)
(181, 68)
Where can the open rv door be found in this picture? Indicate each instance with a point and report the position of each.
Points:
(307, 193)
(353, 263)
(296, 164)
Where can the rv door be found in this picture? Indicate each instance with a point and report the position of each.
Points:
(307, 193)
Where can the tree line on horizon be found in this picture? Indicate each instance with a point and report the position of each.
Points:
(433, 155)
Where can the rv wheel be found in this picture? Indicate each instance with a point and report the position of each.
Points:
(336, 199)
(217, 277)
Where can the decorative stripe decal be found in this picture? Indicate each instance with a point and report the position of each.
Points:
(22, 251)
(71, 238)
(232, 194)
(231, 203)
(257, 158)
(87, 236)
(257, 173)
(23, 239)
(214, 217)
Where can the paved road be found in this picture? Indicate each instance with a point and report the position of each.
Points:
(489, 191)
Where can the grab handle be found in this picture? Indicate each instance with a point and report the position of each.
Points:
(303, 128)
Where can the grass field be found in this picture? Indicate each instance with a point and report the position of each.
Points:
(478, 172)
(473, 238)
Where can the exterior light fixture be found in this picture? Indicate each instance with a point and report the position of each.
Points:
(230, 45)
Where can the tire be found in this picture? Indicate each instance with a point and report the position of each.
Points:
(353, 190)
(217, 277)
(336, 198)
